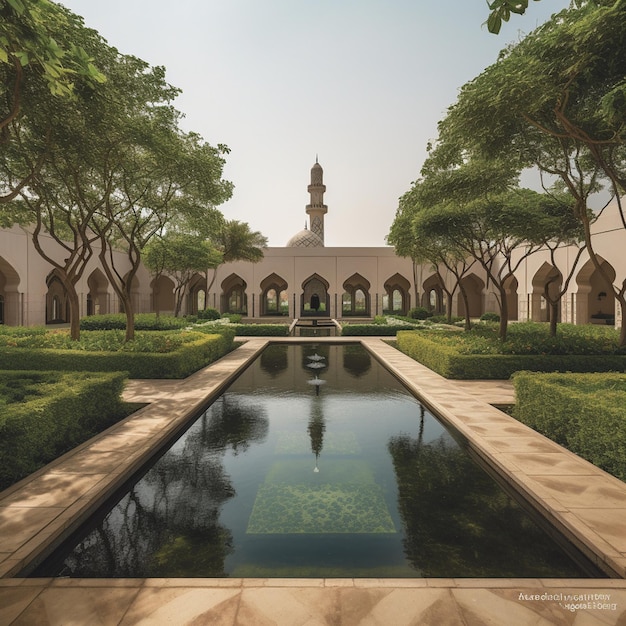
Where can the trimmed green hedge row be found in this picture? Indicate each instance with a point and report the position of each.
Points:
(447, 362)
(190, 357)
(370, 330)
(261, 330)
(75, 407)
(143, 321)
(585, 413)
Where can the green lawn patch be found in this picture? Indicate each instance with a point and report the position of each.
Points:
(44, 414)
(479, 354)
(585, 413)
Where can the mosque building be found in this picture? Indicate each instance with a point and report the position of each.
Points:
(308, 279)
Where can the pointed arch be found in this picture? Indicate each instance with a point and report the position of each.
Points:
(315, 300)
(197, 294)
(549, 275)
(234, 298)
(274, 296)
(397, 298)
(9, 294)
(98, 294)
(433, 298)
(163, 298)
(356, 299)
(57, 301)
(595, 300)
(474, 287)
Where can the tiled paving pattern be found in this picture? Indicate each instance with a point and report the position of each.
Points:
(587, 504)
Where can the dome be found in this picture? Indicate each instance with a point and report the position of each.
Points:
(305, 239)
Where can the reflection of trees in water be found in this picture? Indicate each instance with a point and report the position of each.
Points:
(458, 522)
(356, 360)
(168, 524)
(273, 359)
(233, 424)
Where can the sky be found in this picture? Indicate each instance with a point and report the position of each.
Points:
(358, 84)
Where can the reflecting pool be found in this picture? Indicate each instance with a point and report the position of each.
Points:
(316, 462)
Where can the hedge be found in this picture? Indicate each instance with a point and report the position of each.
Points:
(370, 330)
(586, 413)
(189, 358)
(74, 407)
(143, 321)
(447, 362)
(261, 330)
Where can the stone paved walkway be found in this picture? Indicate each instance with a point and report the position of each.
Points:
(588, 505)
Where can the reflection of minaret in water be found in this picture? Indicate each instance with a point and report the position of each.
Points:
(316, 428)
(317, 209)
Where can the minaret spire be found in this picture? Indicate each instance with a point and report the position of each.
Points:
(317, 209)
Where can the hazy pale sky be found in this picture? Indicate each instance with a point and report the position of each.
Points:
(361, 83)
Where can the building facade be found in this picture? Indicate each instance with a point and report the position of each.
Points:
(307, 279)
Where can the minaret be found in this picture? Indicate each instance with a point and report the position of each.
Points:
(317, 209)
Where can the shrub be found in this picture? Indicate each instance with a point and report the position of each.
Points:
(585, 413)
(233, 318)
(65, 410)
(369, 329)
(460, 355)
(419, 313)
(143, 321)
(261, 330)
(152, 354)
(489, 317)
(209, 314)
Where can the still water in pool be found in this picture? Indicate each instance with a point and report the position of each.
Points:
(314, 463)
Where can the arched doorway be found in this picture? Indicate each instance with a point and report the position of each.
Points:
(540, 310)
(197, 294)
(98, 295)
(474, 289)
(315, 300)
(274, 296)
(9, 295)
(355, 300)
(234, 298)
(163, 298)
(510, 287)
(57, 303)
(433, 298)
(595, 302)
(396, 298)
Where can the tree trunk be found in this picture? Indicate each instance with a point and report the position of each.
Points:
(468, 325)
(130, 317)
(554, 312)
(74, 302)
(504, 315)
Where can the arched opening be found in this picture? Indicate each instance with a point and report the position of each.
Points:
(433, 298)
(196, 294)
(315, 300)
(98, 295)
(595, 302)
(474, 289)
(510, 286)
(163, 298)
(9, 295)
(234, 298)
(57, 302)
(396, 298)
(540, 309)
(274, 296)
(355, 301)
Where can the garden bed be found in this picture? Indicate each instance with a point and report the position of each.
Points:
(479, 354)
(585, 413)
(44, 414)
(153, 354)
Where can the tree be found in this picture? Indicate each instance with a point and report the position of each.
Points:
(556, 101)
(181, 256)
(236, 242)
(40, 50)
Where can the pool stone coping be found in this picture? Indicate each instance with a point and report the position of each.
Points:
(585, 503)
